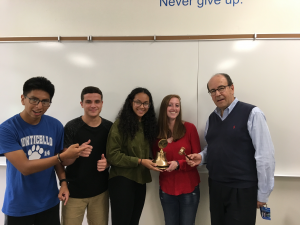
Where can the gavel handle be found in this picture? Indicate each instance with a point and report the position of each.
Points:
(187, 156)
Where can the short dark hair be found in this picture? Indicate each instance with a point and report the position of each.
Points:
(229, 81)
(38, 83)
(91, 90)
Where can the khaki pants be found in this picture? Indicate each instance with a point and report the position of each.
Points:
(97, 210)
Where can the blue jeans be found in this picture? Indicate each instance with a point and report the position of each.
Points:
(181, 209)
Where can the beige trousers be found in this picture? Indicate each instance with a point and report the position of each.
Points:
(96, 207)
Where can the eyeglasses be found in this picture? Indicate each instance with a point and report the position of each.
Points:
(138, 103)
(35, 101)
(221, 89)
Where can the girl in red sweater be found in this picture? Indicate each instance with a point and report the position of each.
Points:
(179, 183)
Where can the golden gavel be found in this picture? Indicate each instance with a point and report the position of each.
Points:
(182, 152)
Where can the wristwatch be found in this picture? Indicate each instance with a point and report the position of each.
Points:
(62, 180)
(178, 166)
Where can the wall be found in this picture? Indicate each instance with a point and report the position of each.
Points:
(146, 17)
(136, 17)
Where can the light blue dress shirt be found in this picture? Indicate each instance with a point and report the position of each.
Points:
(264, 148)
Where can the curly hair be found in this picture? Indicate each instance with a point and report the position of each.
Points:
(129, 121)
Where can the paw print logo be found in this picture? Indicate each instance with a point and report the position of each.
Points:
(35, 152)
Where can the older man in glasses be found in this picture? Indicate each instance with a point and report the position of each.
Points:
(239, 156)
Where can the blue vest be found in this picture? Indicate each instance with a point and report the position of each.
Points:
(230, 153)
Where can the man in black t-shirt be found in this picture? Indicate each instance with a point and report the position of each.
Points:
(88, 175)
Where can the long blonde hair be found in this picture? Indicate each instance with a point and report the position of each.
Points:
(163, 127)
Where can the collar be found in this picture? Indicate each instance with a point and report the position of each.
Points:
(228, 110)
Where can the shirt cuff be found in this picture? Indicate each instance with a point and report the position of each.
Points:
(262, 197)
(202, 161)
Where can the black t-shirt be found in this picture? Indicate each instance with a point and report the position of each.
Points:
(85, 180)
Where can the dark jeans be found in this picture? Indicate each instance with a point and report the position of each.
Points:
(47, 217)
(127, 200)
(232, 206)
(181, 209)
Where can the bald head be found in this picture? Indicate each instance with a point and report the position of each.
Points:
(221, 90)
(225, 75)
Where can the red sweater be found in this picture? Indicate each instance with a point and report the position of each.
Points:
(185, 179)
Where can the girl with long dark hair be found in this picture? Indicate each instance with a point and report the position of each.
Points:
(128, 148)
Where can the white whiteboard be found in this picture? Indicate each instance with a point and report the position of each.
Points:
(266, 74)
(115, 67)
(2, 161)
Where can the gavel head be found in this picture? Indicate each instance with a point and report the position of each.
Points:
(182, 151)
